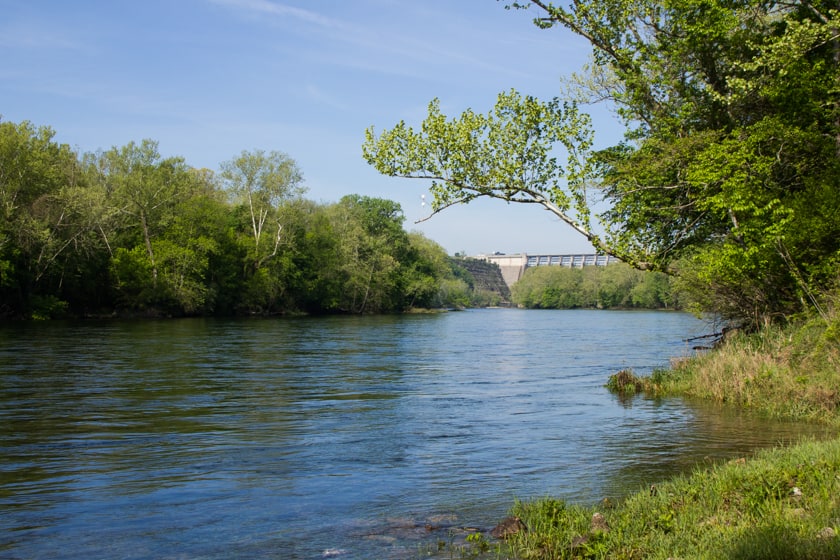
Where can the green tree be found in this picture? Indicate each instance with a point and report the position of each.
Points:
(654, 291)
(263, 182)
(373, 249)
(613, 286)
(318, 259)
(142, 194)
(427, 266)
(730, 163)
(130, 230)
(192, 242)
(266, 189)
(616, 285)
(508, 154)
(549, 287)
(735, 146)
(46, 221)
(142, 188)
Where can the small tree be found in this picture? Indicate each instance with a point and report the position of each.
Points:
(263, 182)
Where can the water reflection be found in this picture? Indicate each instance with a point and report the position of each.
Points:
(260, 438)
(687, 435)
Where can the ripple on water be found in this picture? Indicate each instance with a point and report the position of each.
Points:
(348, 437)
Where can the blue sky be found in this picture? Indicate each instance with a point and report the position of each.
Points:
(208, 79)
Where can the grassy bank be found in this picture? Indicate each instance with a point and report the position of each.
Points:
(787, 373)
(782, 503)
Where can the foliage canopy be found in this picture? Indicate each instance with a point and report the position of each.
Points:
(130, 231)
(608, 287)
(728, 172)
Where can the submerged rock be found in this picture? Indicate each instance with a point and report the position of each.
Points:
(507, 527)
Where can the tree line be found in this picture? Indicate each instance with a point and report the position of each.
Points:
(129, 231)
(615, 286)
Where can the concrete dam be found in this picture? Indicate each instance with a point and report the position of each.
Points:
(513, 266)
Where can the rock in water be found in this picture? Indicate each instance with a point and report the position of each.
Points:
(507, 527)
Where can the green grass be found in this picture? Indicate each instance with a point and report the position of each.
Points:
(791, 373)
(782, 503)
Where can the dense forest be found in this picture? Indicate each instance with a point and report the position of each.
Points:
(128, 231)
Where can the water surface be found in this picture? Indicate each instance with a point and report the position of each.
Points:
(346, 436)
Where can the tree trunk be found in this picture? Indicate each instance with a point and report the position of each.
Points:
(149, 250)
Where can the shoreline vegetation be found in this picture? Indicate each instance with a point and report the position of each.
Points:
(781, 503)
(615, 286)
(777, 504)
(131, 233)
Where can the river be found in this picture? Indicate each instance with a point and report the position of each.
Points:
(332, 436)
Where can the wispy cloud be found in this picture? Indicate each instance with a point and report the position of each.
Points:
(376, 48)
(266, 7)
(30, 36)
(324, 98)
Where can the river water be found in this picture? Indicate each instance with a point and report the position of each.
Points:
(332, 437)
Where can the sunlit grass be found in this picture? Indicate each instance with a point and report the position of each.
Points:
(791, 373)
(782, 503)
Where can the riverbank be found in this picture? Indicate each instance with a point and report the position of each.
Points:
(782, 503)
(788, 373)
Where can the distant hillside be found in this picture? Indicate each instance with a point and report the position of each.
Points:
(483, 275)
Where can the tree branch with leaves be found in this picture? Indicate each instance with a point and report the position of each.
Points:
(730, 150)
(512, 153)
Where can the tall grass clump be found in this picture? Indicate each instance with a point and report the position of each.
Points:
(790, 372)
(780, 504)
